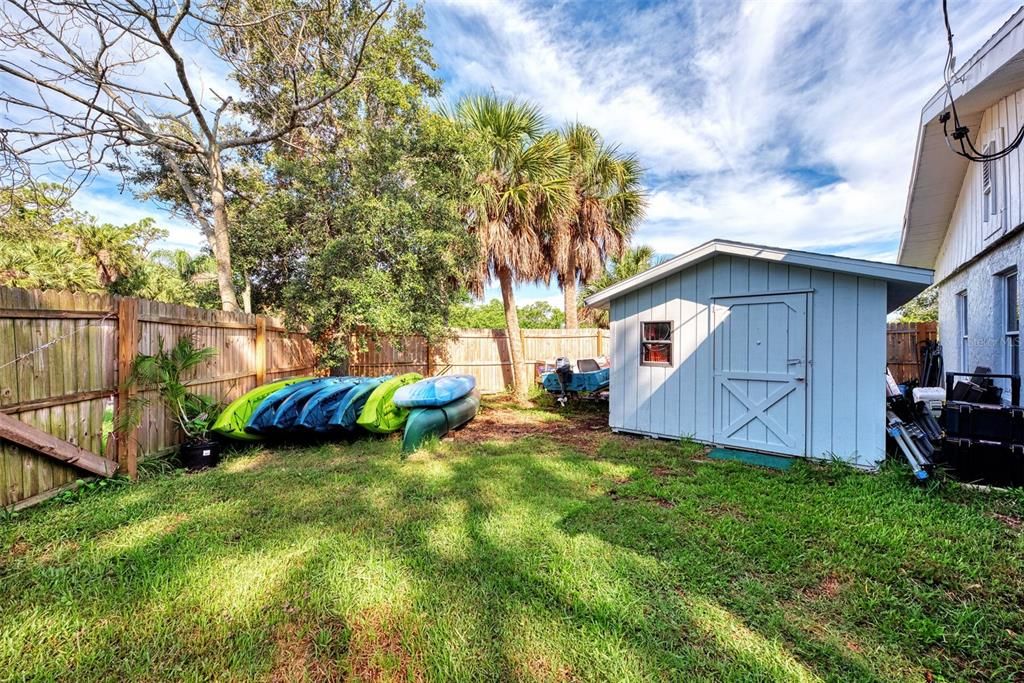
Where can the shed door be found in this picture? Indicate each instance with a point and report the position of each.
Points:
(760, 385)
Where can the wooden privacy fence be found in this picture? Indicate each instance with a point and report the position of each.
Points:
(479, 352)
(63, 357)
(902, 342)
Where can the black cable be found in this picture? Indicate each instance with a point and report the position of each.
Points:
(961, 133)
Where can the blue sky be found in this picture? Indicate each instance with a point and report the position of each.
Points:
(784, 123)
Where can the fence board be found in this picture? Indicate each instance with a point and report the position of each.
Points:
(903, 340)
(59, 369)
(482, 353)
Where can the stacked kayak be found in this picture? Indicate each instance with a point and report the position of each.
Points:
(232, 420)
(438, 405)
(381, 414)
(340, 405)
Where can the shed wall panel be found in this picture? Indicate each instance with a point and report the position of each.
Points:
(846, 330)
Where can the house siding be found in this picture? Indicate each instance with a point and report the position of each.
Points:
(968, 234)
(846, 352)
(985, 305)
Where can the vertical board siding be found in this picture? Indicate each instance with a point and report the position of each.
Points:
(482, 353)
(59, 370)
(903, 342)
(968, 233)
(845, 352)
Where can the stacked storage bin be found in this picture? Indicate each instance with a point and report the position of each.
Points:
(985, 443)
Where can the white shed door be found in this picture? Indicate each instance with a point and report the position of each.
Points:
(760, 386)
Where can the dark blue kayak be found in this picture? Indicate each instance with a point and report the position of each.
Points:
(317, 412)
(262, 419)
(347, 412)
(287, 414)
(434, 392)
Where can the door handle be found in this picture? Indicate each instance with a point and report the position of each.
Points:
(794, 361)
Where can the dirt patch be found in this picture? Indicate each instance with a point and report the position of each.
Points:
(662, 472)
(295, 655)
(726, 510)
(540, 669)
(19, 549)
(827, 588)
(1015, 523)
(378, 651)
(582, 432)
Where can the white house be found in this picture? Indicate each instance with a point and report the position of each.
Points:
(963, 219)
(757, 348)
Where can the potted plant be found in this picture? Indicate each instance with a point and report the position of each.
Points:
(194, 414)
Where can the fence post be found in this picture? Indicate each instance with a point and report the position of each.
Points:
(430, 361)
(600, 341)
(261, 350)
(127, 349)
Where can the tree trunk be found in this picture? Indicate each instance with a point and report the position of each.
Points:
(220, 243)
(247, 295)
(572, 320)
(515, 339)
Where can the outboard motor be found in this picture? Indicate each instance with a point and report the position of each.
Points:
(563, 369)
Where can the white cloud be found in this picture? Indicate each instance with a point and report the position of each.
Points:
(790, 124)
(120, 209)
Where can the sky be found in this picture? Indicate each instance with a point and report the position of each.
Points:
(790, 124)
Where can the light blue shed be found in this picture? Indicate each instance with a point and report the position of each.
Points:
(757, 348)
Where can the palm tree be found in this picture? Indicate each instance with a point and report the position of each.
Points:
(520, 192)
(632, 261)
(609, 203)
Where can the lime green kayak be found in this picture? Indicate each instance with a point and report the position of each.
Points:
(232, 420)
(380, 414)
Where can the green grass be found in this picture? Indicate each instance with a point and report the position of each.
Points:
(514, 561)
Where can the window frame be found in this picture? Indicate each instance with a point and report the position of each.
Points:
(670, 342)
(1011, 321)
(993, 196)
(963, 328)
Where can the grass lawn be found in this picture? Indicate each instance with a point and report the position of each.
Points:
(531, 547)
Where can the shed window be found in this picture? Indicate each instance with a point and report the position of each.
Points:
(656, 343)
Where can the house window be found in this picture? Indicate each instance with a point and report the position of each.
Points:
(991, 193)
(656, 343)
(961, 320)
(1011, 323)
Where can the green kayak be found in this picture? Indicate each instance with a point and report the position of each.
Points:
(426, 422)
(232, 420)
(380, 414)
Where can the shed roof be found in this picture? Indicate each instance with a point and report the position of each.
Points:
(904, 282)
(993, 72)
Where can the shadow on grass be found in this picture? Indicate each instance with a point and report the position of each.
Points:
(501, 562)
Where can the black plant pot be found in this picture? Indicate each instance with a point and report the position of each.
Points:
(199, 455)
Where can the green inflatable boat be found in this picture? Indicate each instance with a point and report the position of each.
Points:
(380, 414)
(232, 420)
(424, 423)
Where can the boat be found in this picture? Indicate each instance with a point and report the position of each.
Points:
(231, 421)
(434, 392)
(424, 423)
(350, 407)
(318, 410)
(262, 419)
(287, 414)
(380, 414)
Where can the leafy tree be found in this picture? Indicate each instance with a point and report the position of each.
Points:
(609, 204)
(632, 261)
(922, 308)
(538, 315)
(521, 192)
(81, 98)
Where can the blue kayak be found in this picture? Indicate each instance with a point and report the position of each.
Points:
(262, 419)
(434, 392)
(347, 412)
(287, 414)
(317, 412)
